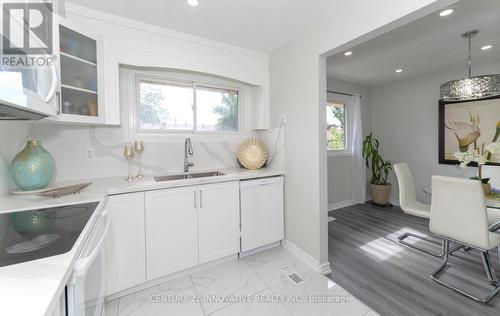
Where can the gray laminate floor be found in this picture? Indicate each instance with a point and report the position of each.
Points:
(394, 280)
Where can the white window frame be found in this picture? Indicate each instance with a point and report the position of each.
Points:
(173, 80)
(348, 102)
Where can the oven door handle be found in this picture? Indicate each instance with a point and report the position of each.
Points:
(83, 264)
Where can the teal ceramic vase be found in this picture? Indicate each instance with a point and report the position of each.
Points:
(33, 167)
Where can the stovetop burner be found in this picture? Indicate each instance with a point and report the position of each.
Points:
(40, 233)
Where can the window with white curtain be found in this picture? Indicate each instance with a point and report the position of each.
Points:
(336, 126)
(339, 124)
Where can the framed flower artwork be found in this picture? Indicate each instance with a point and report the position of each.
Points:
(468, 125)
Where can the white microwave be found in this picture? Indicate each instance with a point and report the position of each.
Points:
(28, 82)
(27, 94)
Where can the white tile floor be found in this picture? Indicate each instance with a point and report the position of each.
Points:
(214, 291)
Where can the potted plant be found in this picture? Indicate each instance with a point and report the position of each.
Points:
(380, 188)
(480, 156)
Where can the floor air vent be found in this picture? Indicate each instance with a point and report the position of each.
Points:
(292, 275)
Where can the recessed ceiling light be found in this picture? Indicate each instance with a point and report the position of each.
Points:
(348, 53)
(486, 47)
(399, 70)
(193, 3)
(446, 12)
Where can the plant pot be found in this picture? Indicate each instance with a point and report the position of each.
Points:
(487, 188)
(380, 193)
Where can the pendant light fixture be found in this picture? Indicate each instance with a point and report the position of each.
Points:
(471, 88)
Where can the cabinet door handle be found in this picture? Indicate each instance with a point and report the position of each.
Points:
(201, 198)
(194, 192)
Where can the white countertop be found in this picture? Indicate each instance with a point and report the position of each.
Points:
(112, 186)
(102, 187)
(33, 288)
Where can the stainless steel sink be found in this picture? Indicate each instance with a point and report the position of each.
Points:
(171, 178)
(205, 174)
(188, 176)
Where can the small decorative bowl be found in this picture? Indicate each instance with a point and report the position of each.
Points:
(252, 154)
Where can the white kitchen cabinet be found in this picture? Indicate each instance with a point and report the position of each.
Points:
(218, 221)
(80, 96)
(171, 231)
(125, 244)
(190, 226)
(157, 233)
(88, 90)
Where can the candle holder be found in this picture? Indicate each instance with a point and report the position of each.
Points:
(139, 148)
(128, 152)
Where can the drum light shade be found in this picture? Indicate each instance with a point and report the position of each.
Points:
(471, 88)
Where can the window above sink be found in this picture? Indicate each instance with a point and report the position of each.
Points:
(167, 104)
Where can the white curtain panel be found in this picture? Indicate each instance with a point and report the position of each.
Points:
(358, 165)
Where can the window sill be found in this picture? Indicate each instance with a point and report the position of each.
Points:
(338, 153)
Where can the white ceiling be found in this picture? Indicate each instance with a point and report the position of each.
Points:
(261, 25)
(429, 44)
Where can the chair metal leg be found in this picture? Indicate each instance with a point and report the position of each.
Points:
(488, 267)
(401, 240)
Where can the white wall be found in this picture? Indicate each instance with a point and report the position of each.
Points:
(13, 136)
(298, 86)
(339, 181)
(405, 120)
(340, 167)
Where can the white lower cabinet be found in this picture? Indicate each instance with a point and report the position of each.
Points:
(218, 221)
(157, 233)
(171, 231)
(125, 244)
(190, 226)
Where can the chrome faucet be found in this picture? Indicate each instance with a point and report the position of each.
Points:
(188, 151)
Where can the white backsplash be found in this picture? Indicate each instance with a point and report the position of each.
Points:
(68, 145)
(270, 138)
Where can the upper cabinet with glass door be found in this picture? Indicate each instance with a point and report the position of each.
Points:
(81, 93)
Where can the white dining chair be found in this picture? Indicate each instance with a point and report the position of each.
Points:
(459, 214)
(409, 204)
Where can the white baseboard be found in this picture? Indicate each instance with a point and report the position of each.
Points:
(323, 268)
(336, 206)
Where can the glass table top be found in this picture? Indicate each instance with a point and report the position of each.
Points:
(492, 202)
